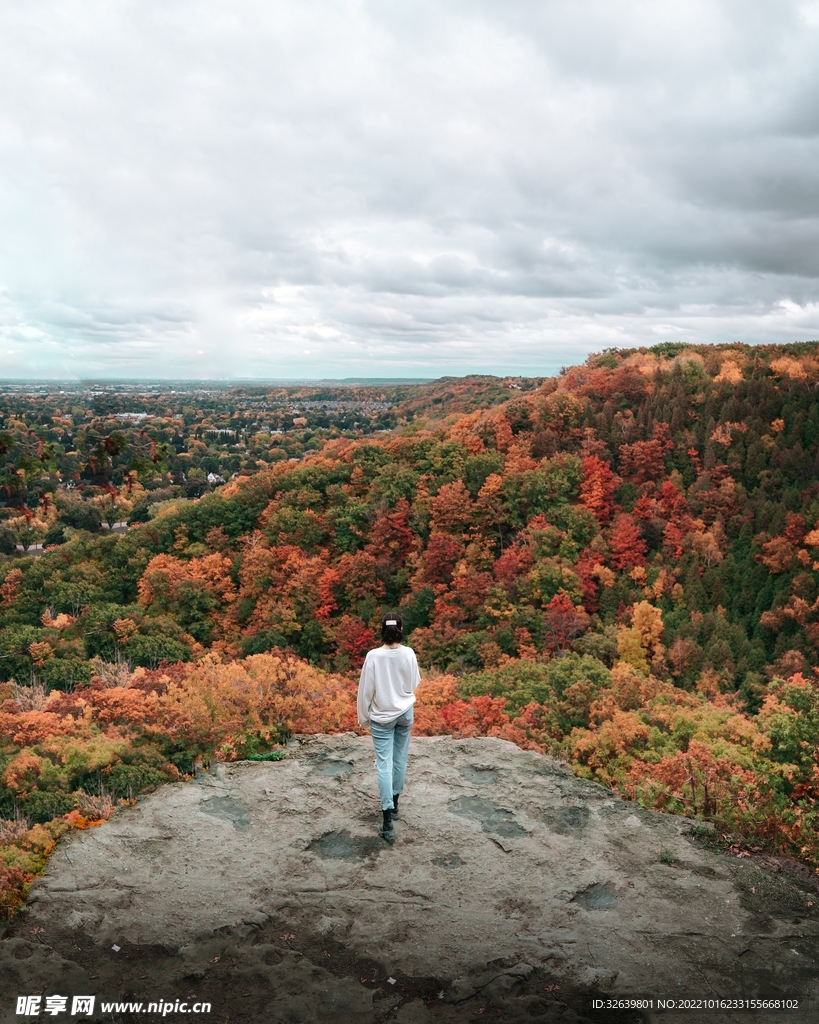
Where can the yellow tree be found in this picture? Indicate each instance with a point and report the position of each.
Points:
(640, 645)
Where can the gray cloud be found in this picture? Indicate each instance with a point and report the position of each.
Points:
(312, 189)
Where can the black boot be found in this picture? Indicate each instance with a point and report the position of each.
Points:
(387, 831)
(395, 805)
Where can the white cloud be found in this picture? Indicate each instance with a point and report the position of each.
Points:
(401, 188)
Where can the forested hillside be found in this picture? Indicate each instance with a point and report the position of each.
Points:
(617, 566)
(125, 446)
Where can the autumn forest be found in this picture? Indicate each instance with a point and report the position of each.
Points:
(618, 566)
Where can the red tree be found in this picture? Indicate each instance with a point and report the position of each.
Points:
(795, 529)
(355, 638)
(585, 567)
(562, 622)
(440, 558)
(645, 460)
(511, 565)
(673, 504)
(392, 539)
(627, 546)
(597, 488)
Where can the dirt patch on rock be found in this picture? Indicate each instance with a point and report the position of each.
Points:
(513, 892)
(343, 846)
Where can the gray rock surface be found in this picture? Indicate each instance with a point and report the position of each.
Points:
(513, 892)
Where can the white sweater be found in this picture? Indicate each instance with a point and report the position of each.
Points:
(388, 678)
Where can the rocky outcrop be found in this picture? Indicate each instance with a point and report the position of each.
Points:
(513, 892)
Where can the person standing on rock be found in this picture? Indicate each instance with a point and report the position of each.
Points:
(386, 694)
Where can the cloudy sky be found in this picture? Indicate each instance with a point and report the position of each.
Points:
(317, 188)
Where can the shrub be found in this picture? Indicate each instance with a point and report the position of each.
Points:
(526, 682)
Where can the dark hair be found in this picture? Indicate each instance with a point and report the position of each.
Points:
(392, 634)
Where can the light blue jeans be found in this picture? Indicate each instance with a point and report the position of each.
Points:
(391, 742)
